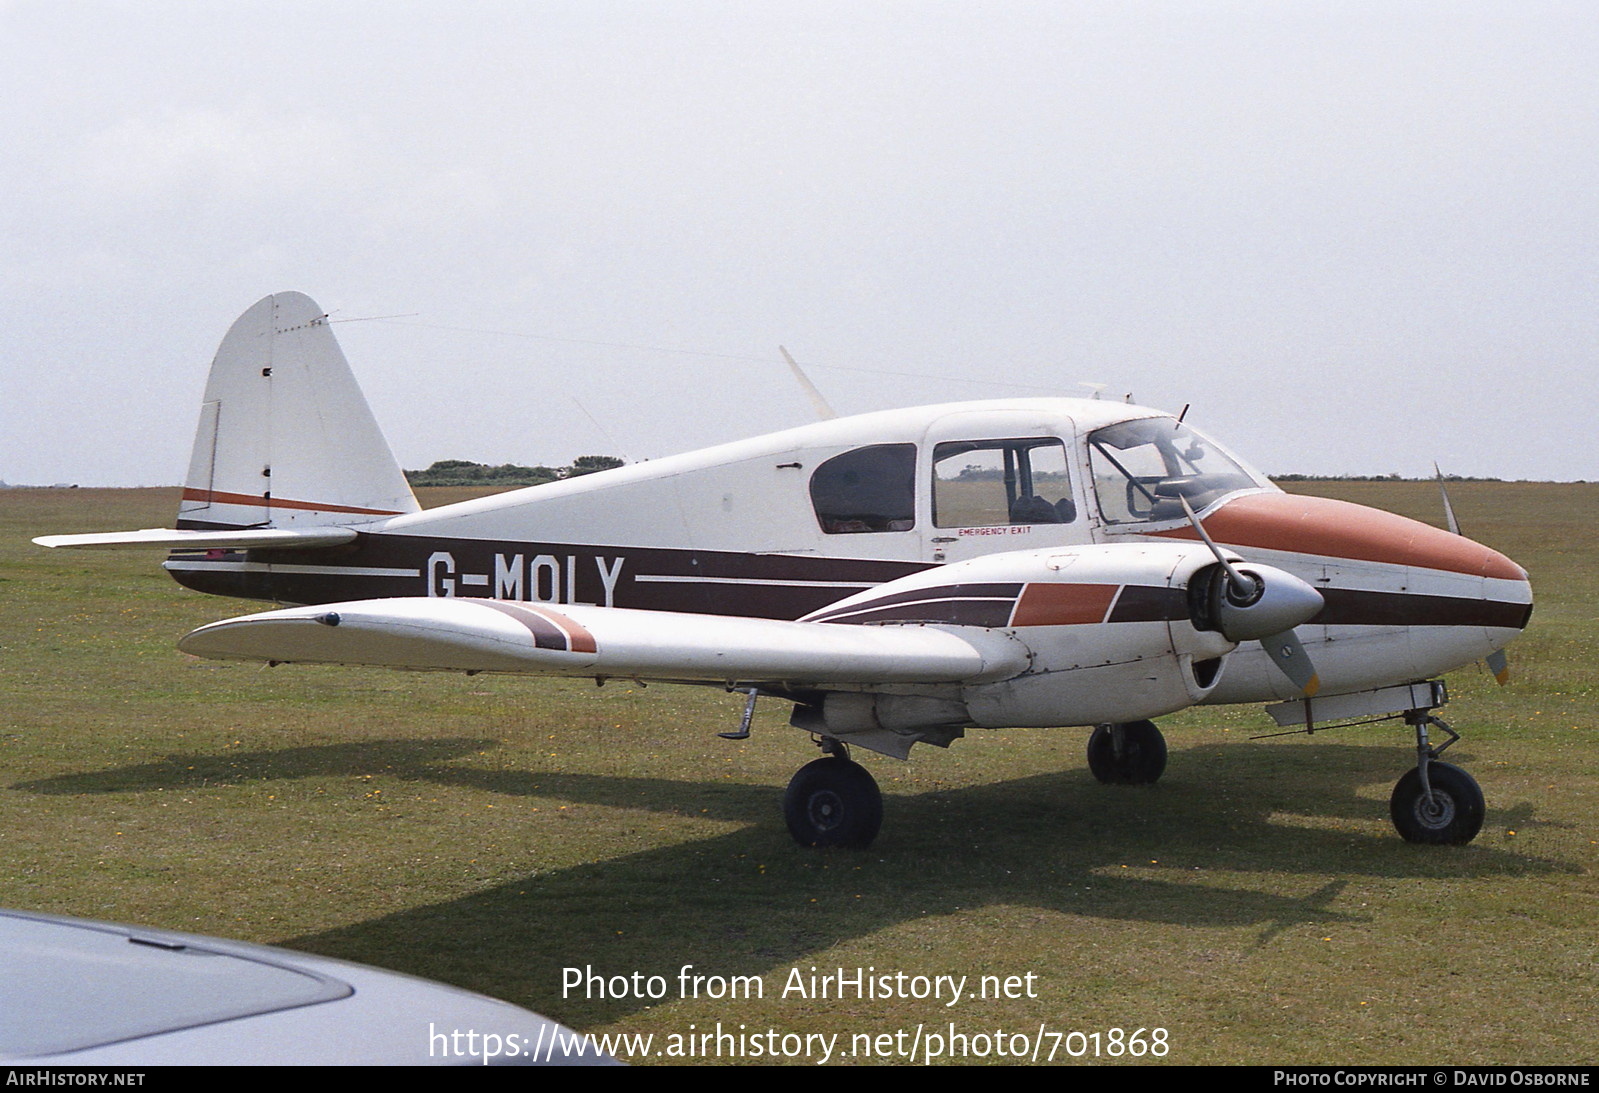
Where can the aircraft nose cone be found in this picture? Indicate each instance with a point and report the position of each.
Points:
(1511, 595)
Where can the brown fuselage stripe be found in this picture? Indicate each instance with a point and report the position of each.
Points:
(1041, 603)
(1356, 607)
(973, 604)
(1002, 596)
(1340, 529)
(1002, 590)
(989, 613)
(1050, 604)
(213, 497)
(1148, 603)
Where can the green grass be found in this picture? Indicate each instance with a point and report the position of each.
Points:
(490, 832)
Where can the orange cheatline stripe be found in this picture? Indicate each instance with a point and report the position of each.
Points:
(1063, 604)
(262, 501)
(1341, 529)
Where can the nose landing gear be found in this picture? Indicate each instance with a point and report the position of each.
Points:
(1435, 802)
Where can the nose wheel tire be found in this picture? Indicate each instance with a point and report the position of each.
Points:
(1133, 754)
(1451, 815)
(833, 802)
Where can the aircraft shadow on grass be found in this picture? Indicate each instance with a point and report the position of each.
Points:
(191, 771)
(750, 903)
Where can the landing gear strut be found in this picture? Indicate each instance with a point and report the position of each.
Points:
(1435, 802)
(833, 801)
(1133, 754)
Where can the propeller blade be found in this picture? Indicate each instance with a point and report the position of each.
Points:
(1243, 586)
(824, 411)
(1449, 510)
(1291, 659)
(1499, 665)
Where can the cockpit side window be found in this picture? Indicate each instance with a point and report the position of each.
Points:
(1141, 468)
(869, 489)
(983, 483)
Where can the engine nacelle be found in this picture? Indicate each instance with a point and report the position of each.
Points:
(1108, 631)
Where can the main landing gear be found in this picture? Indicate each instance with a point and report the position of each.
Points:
(833, 801)
(1435, 802)
(1133, 754)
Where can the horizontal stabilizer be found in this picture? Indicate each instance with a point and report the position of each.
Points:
(584, 640)
(174, 539)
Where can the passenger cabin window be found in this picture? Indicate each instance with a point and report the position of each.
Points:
(982, 483)
(867, 490)
(1142, 469)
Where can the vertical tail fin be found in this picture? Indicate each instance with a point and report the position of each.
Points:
(286, 439)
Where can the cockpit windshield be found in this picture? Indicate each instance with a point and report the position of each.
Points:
(1142, 467)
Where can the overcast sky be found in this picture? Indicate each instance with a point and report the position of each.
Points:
(1357, 237)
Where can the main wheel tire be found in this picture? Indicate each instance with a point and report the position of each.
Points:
(1142, 759)
(833, 802)
(1451, 818)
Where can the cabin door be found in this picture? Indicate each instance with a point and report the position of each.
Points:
(999, 480)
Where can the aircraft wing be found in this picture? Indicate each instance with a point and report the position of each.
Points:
(584, 640)
(175, 539)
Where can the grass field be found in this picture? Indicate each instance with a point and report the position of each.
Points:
(490, 832)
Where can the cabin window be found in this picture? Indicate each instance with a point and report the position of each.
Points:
(867, 490)
(985, 483)
(1143, 468)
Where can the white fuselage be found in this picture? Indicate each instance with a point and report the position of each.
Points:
(784, 525)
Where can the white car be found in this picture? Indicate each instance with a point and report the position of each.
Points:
(81, 993)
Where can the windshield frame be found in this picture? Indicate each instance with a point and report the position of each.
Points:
(1142, 467)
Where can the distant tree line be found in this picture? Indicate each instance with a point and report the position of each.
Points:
(463, 472)
(1373, 478)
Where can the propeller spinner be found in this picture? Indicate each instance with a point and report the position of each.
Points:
(1251, 602)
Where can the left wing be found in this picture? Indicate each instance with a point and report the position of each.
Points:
(581, 640)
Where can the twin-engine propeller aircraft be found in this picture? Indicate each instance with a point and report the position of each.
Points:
(900, 577)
